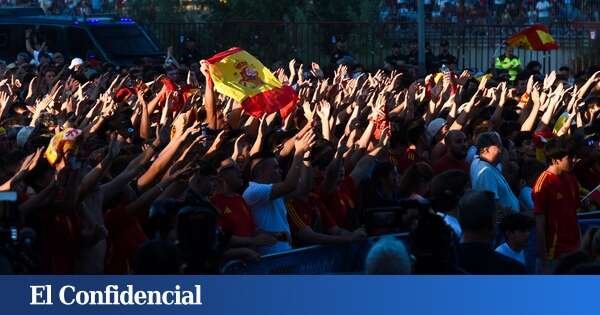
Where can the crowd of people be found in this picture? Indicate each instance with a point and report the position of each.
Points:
(493, 11)
(147, 169)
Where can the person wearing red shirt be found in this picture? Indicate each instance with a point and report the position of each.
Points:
(556, 199)
(310, 222)
(454, 159)
(236, 218)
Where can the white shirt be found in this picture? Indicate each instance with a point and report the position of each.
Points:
(505, 250)
(453, 223)
(485, 176)
(269, 215)
(543, 8)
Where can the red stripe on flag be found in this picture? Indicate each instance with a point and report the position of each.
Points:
(282, 99)
(218, 57)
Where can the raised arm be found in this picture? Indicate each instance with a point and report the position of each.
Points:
(209, 96)
(290, 183)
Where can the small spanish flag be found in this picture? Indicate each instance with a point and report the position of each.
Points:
(244, 78)
(536, 37)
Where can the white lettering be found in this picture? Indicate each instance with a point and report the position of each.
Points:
(126, 297)
(82, 297)
(38, 291)
(110, 291)
(154, 298)
(165, 300)
(140, 298)
(198, 295)
(61, 294)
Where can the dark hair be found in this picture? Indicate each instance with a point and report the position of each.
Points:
(476, 210)
(522, 136)
(416, 174)
(587, 269)
(432, 243)
(568, 262)
(156, 258)
(516, 222)
(447, 188)
(530, 169)
(557, 148)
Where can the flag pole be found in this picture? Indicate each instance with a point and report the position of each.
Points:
(590, 193)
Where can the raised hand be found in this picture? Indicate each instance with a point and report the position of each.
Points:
(5, 100)
(316, 71)
(549, 80)
(305, 142)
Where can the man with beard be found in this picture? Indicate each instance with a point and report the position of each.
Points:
(454, 159)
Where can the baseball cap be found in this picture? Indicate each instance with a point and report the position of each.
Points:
(75, 62)
(434, 127)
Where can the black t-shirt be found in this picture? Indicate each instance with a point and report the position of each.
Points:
(481, 259)
(397, 61)
(447, 59)
(337, 55)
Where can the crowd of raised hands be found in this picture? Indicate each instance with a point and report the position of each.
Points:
(90, 160)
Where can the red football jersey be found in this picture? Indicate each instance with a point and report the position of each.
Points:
(236, 217)
(557, 197)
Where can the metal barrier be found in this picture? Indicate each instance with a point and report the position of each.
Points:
(371, 42)
(330, 259)
(317, 259)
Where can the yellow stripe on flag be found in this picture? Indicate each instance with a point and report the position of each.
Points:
(241, 75)
(545, 38)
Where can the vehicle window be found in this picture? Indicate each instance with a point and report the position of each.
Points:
(79, 42)
(50, 35)
(123, 41)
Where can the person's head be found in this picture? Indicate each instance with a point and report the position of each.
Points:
(341, 44)
(530, 170)
(203, 182)
(534, 67)
(436, 130)
(161, 219)
(199, 236)
(516, 228)
(396, 50)
(76, 65)
(567, 263)
(477, 216)
(489, 147)
(265, 169)
(190, 43)
(524, 144)
(59, 59)
(415, 180)
(432, 244)
(388, 257)
(563, 73)
(231, 175)
(156, 258)
(22, 58)
(444, 47)
(385, 177)
(447, 188)
(49, 75)
(456, 142)
(44, 58)
(559, 154)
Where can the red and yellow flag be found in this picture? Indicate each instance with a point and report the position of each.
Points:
(536, 37)
(241, 76)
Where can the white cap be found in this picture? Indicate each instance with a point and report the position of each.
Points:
(75, 62)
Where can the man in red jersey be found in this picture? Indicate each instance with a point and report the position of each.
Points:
(236, 217)
(556, 199)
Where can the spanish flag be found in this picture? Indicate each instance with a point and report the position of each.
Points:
(536, 37)
(244, 78)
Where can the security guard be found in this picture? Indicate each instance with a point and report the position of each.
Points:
(509, 62)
